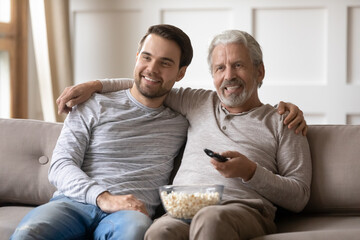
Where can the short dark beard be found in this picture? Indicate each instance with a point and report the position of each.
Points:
(160, 93)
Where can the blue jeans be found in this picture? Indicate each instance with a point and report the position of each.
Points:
(63, 218)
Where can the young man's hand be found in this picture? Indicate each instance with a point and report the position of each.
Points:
(76, 94)
(112, 203)
(295, 119)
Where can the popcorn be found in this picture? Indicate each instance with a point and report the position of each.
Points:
(186, 205)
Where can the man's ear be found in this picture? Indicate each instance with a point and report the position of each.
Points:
(260, 73)
(181, 73)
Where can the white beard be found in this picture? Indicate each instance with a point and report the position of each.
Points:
(235, 99)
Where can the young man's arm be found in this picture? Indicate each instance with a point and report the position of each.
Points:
(65, 171)
(76, 94)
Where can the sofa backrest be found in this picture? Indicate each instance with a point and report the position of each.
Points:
(25, 151)
(335, 152)
(26, 148)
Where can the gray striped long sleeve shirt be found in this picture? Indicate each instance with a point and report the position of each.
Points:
(114, 143)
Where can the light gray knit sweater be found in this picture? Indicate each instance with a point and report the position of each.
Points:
(112, 142)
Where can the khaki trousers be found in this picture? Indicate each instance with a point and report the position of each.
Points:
(229, 221)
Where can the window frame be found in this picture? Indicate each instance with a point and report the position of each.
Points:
(13, 39)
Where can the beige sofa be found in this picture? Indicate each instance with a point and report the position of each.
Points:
(333, 211)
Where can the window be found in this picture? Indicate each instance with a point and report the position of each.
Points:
(13, 58)
(4, 84)
(5, 11)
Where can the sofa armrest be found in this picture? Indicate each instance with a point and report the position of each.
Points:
(25, 152)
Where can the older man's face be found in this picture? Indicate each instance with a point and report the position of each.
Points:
(235, 77)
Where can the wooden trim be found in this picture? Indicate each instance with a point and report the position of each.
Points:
(13, 39)
(19, 84)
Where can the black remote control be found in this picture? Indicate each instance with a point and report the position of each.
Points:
(216, 156)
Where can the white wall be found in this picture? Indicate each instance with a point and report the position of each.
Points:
(311, 47)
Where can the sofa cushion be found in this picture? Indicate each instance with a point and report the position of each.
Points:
(25, 151)
(335, 153)
(352, 234)
(10, 218)
(317, 222)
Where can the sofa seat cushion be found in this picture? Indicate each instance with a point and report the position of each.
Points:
(348, 234)
(318, 222)
(316, 227)
(10, 217)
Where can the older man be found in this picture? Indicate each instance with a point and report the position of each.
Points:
(268, 164)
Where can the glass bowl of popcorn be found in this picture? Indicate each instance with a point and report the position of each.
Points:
(184, 201)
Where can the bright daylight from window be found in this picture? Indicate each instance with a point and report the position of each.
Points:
(5, 11)
(4, 85)
(4, 64)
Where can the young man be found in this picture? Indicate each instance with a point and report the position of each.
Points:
(115, 151)
(268, 165)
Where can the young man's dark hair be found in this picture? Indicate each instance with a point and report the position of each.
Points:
(173, 33)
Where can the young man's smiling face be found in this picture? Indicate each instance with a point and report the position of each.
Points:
(156, 70)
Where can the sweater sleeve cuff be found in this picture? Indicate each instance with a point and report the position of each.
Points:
(115, 84)
(93, 193)
(258, 177)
